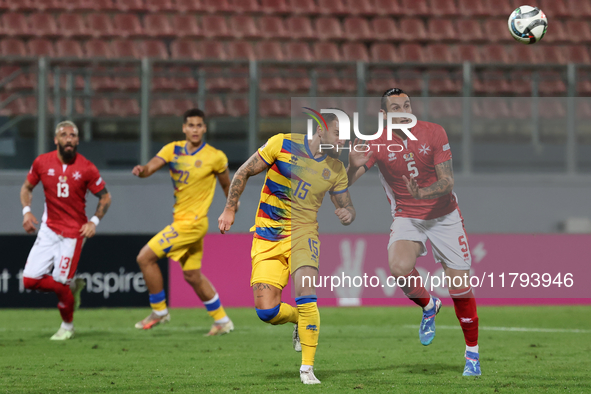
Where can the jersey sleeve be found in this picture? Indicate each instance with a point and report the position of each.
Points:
(33, 176)
(270, 151)
(341, 183)
(441, 149)
(166, 153)
(95, 181)
(221, 163)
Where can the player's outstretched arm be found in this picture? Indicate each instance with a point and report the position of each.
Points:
(224, 179)
(357, 161)
(145, 171)
(443, 186)
(253, 166)
(29, 220)
(88, 230)
(344, 207)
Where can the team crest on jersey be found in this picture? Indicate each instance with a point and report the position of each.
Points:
(77, 175)
(63, 179)
(392, 156)
(51, 172)
(424, 149)
(198, 163)
(293, 160)
(326, 174)
(409, 156)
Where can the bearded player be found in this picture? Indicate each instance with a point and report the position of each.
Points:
(418, 180)
(194, 166)
(66, 177)
(298, 175)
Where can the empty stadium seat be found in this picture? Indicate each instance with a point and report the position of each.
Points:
(355, 51)
(245, 6)
(213, 50)
(555, 9)
(498, 8)
(237, 107)
(470, 30)
(272, 27)
(441, 82)
(72, 25)
(387, 8)
(125, 49)
(43, 25)
(185, 49)
(384, 53)
(94, 5)
(101, 25)
(577, 54)
(101, 80)
(98, 48)
(384, 29)
(278, 7)
(580, 8)
(15, 24)
(184, 79)
(474, 8)
(50, 5)
(22, 5)
(216, 6)
(328, 28)
(303, 7)
(158, 25)
(127, 78)
(272, 81)
(160, 6)
(188, 6)
(161, 79)
(526, 54)
(271, 108)
(23, 79)
(241, 50)
(127, 25)
(468, 53)
(379, 81)
(332, 7)
(414, 8)
(243, 26)
(578, 31)
(186, 26)
(300, 28)
(269, 50)
(69, 48)
(13, 47)
(491, 82)
(329, 82)
(440, 53)
(361, 8)
(40, 47)
(154, 49)
(412, 53)
(357, 29)
(559, 33)
(327, 51)
(442, 30)
(129, 5)
(554, 55)
(125, 108)
(413, 29)
(551, 83)
(496, 53)
(214, 26)
(444, 8)
(495, 30)
(214, 106)
(298, 81)
(298, 51)
(161, 107)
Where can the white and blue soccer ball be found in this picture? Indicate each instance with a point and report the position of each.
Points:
(528, 24)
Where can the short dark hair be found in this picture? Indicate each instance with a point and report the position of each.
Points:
(193, 112)
(388, 93)
(330, 117)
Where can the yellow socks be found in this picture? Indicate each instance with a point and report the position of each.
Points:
(287, 314)
(158, 303)
(308, 327)
(216, 310)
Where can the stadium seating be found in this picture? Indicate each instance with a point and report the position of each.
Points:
(186, 26)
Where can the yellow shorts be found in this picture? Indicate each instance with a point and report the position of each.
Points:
(274, 262)
(182, 242)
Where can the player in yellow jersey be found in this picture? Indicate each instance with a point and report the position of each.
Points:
(299, 173)
(194, 166)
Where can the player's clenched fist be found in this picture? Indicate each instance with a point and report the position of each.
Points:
(344, 215)
(88, 230)
(29, 221)
(226, 220)
(137, 170)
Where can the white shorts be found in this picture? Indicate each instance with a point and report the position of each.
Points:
(53, 254)
(449, 242)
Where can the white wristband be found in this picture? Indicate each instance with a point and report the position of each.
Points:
(95, 220)
(26, 210)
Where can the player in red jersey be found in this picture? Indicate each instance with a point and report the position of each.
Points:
(417, 177)
(66, 177)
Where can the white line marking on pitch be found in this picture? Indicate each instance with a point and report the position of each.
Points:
(516, 329)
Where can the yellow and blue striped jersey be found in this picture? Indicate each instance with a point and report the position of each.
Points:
(295, 185)
(193, 177)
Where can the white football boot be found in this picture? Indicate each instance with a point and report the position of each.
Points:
(62, 334)
(307, 377)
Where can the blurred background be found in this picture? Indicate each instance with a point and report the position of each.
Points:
(518, 116)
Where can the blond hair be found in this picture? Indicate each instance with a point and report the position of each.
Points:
(66, 123)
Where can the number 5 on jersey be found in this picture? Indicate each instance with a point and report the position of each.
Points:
(63, 190)
(414, 172)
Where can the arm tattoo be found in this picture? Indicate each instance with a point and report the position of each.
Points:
(444, 184)
(343, 200)
(252, 166)
(103, 204)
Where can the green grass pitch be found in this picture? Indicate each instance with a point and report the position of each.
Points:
(363, 349)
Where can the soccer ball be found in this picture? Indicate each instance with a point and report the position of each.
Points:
(528, 24)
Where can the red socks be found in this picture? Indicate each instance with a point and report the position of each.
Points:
(465, 306)
(415, 290)
(64, 294)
